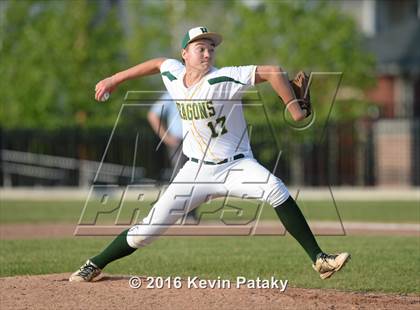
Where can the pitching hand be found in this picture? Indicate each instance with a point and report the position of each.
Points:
(105, 86)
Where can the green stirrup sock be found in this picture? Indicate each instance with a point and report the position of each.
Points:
(116, 249)
(295, 223)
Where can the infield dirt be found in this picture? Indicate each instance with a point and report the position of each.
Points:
(55, 292)
(64, 230)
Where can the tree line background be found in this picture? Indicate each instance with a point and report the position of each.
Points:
(52, 54)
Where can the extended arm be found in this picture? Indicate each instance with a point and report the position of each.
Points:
(110, 83)
(280, 83)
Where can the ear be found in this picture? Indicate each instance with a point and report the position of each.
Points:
(184, 53)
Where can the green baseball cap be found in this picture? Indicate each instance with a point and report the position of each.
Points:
(201, 33)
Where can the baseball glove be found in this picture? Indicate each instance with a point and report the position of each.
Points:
(300, 85)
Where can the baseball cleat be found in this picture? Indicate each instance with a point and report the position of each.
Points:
(328, 264)
(89, 272)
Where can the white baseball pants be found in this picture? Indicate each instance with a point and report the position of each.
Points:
(197, 183)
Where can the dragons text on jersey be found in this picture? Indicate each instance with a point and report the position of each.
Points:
(189, 110)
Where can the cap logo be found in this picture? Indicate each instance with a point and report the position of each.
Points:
(203, 30)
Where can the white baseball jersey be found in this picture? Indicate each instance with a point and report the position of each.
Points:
(213, 123)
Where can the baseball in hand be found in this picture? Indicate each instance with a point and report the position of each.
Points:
(105, 97)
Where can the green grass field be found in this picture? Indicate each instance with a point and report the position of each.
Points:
(386, 264)
(60, 211)
(379, 263)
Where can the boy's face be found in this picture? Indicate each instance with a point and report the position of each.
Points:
(199, 54)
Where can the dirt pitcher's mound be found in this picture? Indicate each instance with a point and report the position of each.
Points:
(54, 291)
